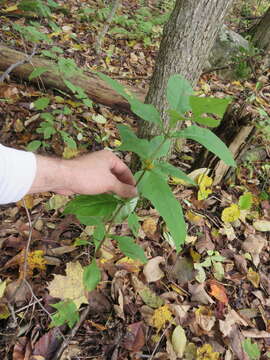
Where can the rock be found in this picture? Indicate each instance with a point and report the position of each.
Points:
(228, 44)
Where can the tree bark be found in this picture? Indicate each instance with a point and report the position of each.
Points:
(93, 86)
(187, 40)
(260, 33)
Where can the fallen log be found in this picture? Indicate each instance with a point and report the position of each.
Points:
(94, 87)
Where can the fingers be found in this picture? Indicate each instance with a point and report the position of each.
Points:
(122, 189)
(122, 172)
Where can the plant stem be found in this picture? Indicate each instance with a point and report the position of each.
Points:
(152, 157)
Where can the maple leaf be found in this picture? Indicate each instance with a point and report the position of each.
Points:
(69, 287)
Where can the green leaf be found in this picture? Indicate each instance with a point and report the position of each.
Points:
(49, 54)
(208, 139)
(178, 93)
(156, 149)
(126, 210)
(116, 86)
(33, 145)
(130, 142)
(251, 349)
(171, 170)
(70, 142)
(208, 105)
(89, 220)
(68, 67)
(92, 205)
(146, 111)
(67, 313)
(154, 188)
(133, 223)
(99, 234)
(174, 117)
(130, 248)
(48, 117)
(245, 201)
(206, 121)
(41, 103)
(37, 72)
(91, 276)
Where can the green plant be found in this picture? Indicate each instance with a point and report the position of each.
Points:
(251, 349)
(244, 62)
(214, 260)
(102, 211)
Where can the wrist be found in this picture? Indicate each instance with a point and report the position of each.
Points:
(51, 175)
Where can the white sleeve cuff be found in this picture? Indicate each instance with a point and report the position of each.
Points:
(17, 173)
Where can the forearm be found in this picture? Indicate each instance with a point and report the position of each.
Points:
(52, 174)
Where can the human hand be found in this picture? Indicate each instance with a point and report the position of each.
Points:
(96, 173)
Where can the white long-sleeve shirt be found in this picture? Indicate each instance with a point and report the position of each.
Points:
(17, 173)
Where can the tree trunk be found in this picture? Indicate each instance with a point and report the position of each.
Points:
(93, 86)
(260, 33)
(187, 40)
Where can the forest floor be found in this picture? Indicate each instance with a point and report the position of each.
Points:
(217, 288)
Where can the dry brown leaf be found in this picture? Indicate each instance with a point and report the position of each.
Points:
(232, 318)
(149, 226)
(218, 291)
(253, 277)
(152, 271)
(205, 318)
(235, 342)
(254, 245)
(134, 338)
(69, 286)
(198, 294)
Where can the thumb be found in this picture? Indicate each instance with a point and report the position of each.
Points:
(122, 189)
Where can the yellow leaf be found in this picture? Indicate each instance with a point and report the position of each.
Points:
(194, 218)
(196, 257)
(161, 317)
(70, 153)
(230, 214)
(10, 9)
(35, 260)
(253, 277)
(4, 312)
(204, 183)
(69, 286)
(28, 200)
(117, 143)
(206, 352)
(129, 264)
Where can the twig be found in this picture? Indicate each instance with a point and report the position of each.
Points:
(21, 62)
(106, 26)
(72, 333)
(158, 343)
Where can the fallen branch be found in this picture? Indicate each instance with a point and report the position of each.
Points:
(12, 67)
(93, 86)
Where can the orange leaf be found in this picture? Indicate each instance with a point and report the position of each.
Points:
(218, 291)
